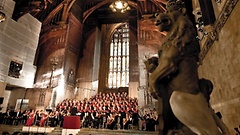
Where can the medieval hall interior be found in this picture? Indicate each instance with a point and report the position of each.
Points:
(91, 54)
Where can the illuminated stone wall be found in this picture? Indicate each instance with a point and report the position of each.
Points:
(18, 42)
(221, 66)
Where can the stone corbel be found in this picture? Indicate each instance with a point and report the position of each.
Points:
(218, 1)
(211, 32)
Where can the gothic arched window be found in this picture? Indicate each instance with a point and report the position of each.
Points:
(118, 75)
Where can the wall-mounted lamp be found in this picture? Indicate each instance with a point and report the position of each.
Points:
(2, 15)
(120, 5)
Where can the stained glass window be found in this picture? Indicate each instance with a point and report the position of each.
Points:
(118, 75)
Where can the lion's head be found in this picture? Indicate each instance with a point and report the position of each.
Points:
(163, 21)
(180, 30)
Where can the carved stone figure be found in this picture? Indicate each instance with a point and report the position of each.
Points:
(174, 78)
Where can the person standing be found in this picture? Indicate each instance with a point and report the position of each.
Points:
(31, 118)
(17, 117)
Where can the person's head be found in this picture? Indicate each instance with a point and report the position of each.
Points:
(206, 87)
(5, 133)
(17, 133)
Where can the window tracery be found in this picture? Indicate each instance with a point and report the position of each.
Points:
(119, 58)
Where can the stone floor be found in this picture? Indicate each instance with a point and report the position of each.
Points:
(114, 132)
(84, 131)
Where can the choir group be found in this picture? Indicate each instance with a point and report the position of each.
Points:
(104, 110)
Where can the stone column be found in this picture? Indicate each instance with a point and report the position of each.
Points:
(2, 88)
(54, 62)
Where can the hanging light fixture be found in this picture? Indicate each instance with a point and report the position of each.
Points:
(2, 15)
(120, 5)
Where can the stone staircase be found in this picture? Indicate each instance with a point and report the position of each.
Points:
(83, 131)
(56, 131)
(10, 128)
(91, 131)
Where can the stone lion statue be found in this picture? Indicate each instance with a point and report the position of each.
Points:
(174, 78)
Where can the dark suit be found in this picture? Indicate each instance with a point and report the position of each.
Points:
(8, 119)
(17, 117)
(74, 111)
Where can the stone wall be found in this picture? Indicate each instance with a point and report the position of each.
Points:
(222, 66)
(18, 47)
(85, 70)
(144, 52)
(18, 43)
